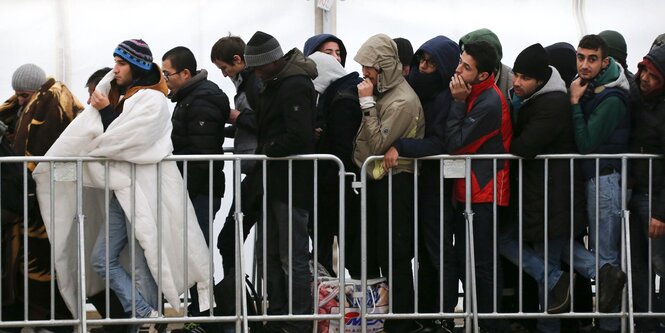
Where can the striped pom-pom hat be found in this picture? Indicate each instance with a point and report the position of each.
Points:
(136, 52)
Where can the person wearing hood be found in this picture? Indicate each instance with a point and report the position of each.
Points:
(198, 119)
(434, 64)
(600, 101)
(617, 49)
(539, 100)
(503, 75)
(658, 41)
(285, 118)
(391, 110)
(648, 225)
(479, 123)
(328, 44)
(562, 56)
(341, 115)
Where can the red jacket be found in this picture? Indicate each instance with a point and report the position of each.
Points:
(481, 125)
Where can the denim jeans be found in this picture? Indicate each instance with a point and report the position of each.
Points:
(609, 218)
(119, 280)
(278, 264)
(533, 263)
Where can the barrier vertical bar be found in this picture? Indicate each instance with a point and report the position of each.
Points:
(363, 248)
(472, 297)
(520, 273)
(625, 251)
(81, 244)
(415, 235)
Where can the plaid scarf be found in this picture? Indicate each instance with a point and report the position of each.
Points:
(590, 91)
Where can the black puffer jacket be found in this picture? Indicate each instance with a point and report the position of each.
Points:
(198, 120)
(649, 138)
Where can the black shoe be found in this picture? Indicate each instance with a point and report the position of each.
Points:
(611, 280)
(559, 301)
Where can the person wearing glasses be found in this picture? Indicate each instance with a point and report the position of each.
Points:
(390, 110)
(198, 119)
(435, 61)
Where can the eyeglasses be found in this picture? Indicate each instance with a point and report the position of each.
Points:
(428, 61)
(167, 75)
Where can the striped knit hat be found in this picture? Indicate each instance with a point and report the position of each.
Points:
(136, 52)
(262, 49)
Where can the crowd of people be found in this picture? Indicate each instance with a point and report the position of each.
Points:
(447, 97)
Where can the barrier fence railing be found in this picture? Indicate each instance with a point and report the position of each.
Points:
(406, 195)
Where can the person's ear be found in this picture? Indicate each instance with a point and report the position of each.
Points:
(483, 76)
(237, 60)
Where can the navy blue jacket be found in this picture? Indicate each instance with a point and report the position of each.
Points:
(435, 97)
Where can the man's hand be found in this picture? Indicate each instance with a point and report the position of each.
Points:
(656, 228)
(459, 89)
(99, 100)
(365, 88)
(390, 158)
(577, 89)
(233, 115)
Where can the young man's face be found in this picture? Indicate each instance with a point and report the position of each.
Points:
(426, 64)
(524, 86)
(332, 48)
(590, 63)
(24, 96)
(122, 72)
(230, 70)
(468, 70)
(174, 79)
(372, 74)
(649, 81)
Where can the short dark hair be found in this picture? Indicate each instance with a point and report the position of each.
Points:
(594, 42)
(97, 76)
(181, 58)
(484, 54)
(226, 47)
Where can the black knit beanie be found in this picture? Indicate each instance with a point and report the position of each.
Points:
(404, 50)
(532, 62)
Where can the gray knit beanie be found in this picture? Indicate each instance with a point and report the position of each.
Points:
(28, 77)
(262, 49)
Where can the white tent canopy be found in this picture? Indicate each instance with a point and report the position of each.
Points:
(70, 39)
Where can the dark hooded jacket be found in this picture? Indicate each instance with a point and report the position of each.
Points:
(200, 114)
(503, 75)
(432, 90)
(285, 112)
(649, 138)
(544, 126)
(313, 43)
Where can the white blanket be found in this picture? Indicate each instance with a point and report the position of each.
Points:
(141, 135)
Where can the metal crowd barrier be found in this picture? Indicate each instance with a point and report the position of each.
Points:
(470, 316)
